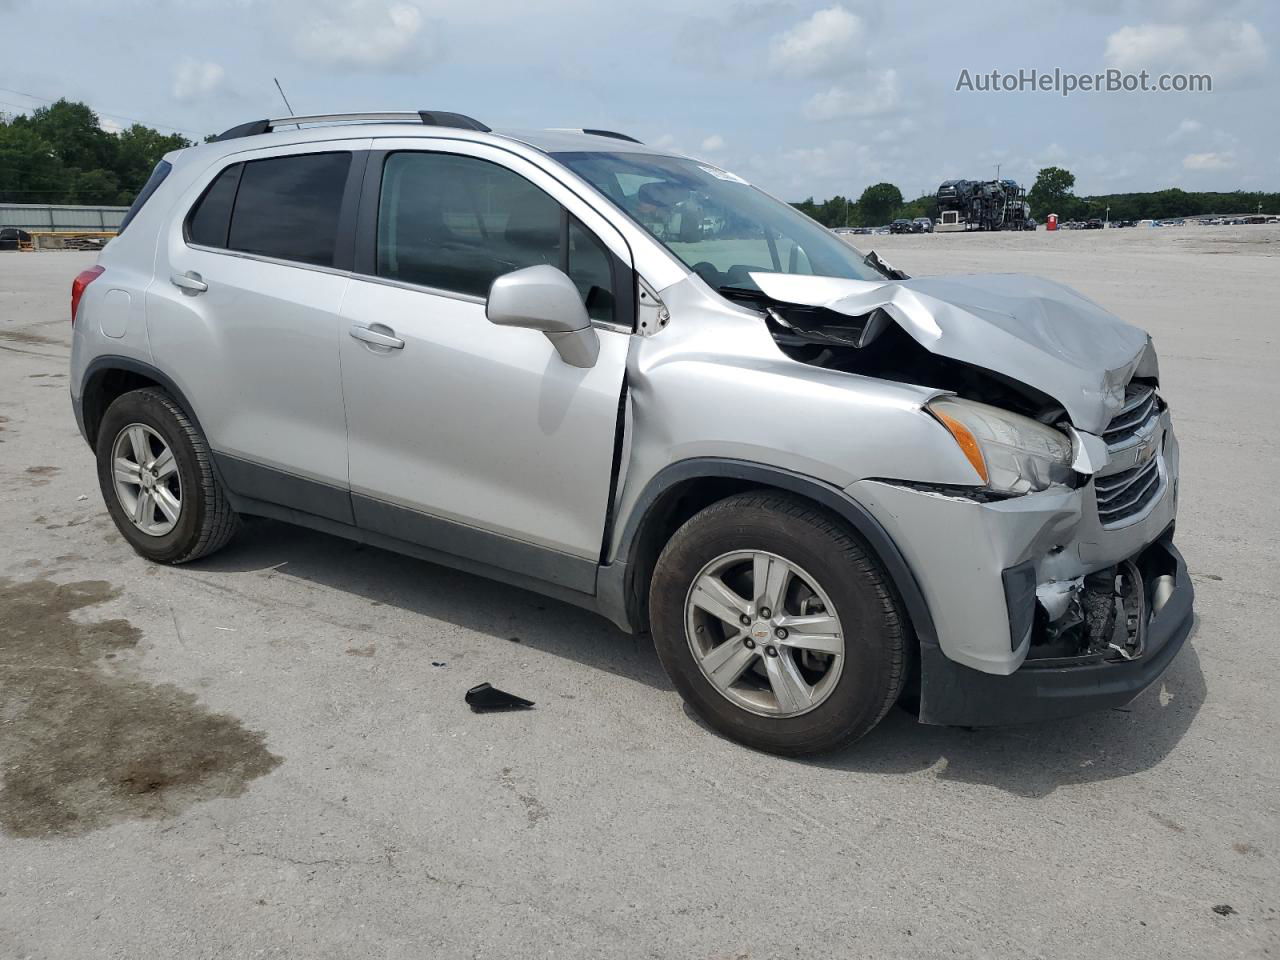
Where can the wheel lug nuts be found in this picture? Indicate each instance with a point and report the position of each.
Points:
(745, 620)
(765, 613)
(749, 643)
(771, 651)
(781, 633)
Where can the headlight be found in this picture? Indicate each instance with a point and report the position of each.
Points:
(1012, 453)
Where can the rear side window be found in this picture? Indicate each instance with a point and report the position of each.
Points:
(284, 207)
(158, 173)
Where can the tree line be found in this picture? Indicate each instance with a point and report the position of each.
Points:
(61, 154)
(1052, 192)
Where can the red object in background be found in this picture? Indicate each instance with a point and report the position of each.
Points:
(82, 280)
(1051, 222)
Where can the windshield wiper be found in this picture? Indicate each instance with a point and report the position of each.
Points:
(873, 261)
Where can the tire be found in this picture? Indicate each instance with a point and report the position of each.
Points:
(834, 569)
(204, 520)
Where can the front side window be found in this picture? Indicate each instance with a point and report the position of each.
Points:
(716, 223)
(287, 207)
(458, 223)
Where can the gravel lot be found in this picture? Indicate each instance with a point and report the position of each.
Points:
(266, 754)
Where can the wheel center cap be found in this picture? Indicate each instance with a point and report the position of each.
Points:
(761, 631)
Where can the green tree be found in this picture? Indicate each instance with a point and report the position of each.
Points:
(138, 150)
(72, 130)
(30, 172)
(1051, 192)
(879, 203)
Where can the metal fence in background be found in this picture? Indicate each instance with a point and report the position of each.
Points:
(56, 218)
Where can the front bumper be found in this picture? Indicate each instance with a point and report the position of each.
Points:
(956, 695)
(984, 568)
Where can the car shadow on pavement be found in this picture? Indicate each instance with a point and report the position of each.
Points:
(1032, 760)
(430, 590)
(1029, 761)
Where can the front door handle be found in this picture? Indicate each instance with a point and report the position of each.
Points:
(190, 282)
(369, 335)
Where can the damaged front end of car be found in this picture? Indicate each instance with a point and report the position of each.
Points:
(1052, 579)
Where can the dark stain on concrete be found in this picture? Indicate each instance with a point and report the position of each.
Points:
(39, 476)
(25, 336)
(84, 746)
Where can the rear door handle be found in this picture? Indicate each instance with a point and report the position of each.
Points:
(189, 281)
(369, 335)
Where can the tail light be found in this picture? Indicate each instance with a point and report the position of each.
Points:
(78, 285)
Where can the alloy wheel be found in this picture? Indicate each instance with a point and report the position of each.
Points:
(146, 479)
(764, 633)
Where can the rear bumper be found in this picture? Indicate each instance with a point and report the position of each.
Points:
(957, 695)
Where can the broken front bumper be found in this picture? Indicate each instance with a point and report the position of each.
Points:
(956, 695)
(986, 571)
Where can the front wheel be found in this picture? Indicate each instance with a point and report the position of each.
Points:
(157, 479)
(777, 625)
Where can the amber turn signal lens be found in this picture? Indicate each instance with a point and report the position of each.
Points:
(968, 443)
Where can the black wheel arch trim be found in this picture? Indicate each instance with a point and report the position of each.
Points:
(101, 366)
(615, 586)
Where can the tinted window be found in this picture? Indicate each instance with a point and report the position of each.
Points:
(456, 223)
(158, 174)
(211, 217)
(287, 207)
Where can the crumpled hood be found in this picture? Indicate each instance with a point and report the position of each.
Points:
(1030, 329)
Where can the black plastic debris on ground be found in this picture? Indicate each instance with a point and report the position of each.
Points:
(1224, 909)
(484, 697)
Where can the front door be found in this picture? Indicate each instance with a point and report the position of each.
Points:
(471, 438)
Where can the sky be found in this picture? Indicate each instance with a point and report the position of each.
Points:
(802, 98)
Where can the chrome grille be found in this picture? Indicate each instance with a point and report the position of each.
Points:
(1139, 406)
(1126, 493)
(1123, 494)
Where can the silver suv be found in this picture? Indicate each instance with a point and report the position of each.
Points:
(632, 381)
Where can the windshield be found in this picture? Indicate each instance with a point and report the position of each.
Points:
(716, 223)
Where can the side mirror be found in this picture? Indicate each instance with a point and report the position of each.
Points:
(543, 298)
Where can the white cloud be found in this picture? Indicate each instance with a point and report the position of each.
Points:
(107, 125)
(830, 41)
(1209, 161)
(195, 79)
(1225, 49)
(864, 98)
(362, 34)
(1184, 129)
(713, 143)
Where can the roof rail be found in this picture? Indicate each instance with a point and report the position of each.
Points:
(610, 133)
(431, 118)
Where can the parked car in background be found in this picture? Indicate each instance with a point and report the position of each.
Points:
(11, 238)
(903, 225)
(636, 383)
(923, 225)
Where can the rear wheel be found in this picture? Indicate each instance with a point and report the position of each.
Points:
(776, 625)
(157, 479)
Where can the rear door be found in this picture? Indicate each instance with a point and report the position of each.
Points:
(464, 436)
(244, 315)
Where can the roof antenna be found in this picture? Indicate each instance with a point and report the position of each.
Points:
(286, 101)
